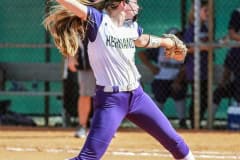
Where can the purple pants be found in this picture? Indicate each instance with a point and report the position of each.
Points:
(111, 108)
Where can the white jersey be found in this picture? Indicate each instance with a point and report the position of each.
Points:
(111, 50)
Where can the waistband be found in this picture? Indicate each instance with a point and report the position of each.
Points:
(116, 89)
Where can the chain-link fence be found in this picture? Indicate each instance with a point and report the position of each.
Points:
(24, 40)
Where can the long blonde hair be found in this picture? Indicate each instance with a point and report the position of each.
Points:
(67, 29)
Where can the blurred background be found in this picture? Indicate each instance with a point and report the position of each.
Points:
(33, 81)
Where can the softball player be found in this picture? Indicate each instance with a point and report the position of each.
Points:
(113, 34)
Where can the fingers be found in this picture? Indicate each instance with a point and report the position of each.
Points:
(179, 51)
(178, 55)
(72, 63)
(72, 67)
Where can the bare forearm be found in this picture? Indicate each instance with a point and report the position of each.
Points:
(74, 6)
(156, 42)
(150, 41)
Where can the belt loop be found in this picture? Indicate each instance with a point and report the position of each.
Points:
(115, 89)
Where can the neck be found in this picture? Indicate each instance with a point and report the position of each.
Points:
(117, 18)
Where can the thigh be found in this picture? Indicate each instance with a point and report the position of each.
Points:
(149, 117)
(109, 111)
(108, 115)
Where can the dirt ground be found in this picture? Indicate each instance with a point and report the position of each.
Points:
(18, 143)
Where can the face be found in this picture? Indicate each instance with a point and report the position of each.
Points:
(131, 9)
(204, 13)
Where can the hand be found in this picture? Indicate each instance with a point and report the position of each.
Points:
(178, 51)
(72, 63)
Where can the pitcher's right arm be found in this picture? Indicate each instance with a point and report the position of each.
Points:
(76, 7)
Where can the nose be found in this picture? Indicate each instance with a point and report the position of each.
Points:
(137, 7)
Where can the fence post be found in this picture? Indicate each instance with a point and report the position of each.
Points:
(210, 63)
(197, 86)
(47, 60)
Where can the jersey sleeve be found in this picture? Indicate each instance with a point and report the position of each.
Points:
(137, 28)
(140, 31)
(94, 21)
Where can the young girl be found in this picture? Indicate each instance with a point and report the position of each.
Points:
(113, 34)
